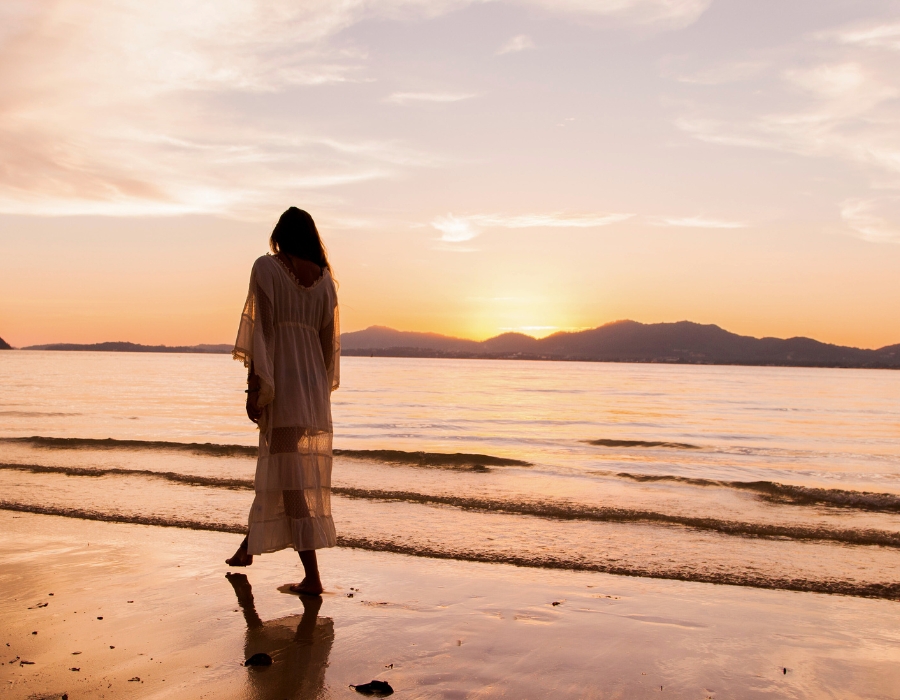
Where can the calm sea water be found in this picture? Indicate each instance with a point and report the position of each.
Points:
(770, 477)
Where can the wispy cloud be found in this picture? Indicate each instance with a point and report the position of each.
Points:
(876, 36)
(558, 220)
(405, 97)
(667, 14)
(522, 42)
(78, 135)
(866, 218)
(720, 74)
(694, 222)
(849, 112)
(130, 106)
(456, 229)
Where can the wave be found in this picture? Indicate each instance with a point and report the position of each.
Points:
(177, 477)
(557, 510)
(456, 460)
(553, 510)
(788, 493)
(643, 443)
(207, 448)
(890, 591)
(36, 414)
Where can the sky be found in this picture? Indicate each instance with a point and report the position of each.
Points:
(474, 166)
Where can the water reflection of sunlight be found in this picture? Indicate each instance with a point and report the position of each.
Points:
(298, 644)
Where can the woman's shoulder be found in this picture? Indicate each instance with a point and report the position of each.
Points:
(263, 260)
(264, 264)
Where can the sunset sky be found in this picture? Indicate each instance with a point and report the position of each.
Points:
(474, 166)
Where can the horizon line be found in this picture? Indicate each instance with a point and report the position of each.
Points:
(39, 346)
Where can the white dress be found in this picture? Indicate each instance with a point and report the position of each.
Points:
(291, 335)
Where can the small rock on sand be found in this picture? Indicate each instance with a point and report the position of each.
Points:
(259, 660)
(377, 688)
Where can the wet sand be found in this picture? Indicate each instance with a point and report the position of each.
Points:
(174, 626)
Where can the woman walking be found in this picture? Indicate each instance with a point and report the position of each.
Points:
(289, 340)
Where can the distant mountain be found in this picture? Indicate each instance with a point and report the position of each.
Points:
(625, 341)
(622, 341)
(4, 345)
(383, 337)
(135, 347)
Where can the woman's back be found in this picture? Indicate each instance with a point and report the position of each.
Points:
(289, 338)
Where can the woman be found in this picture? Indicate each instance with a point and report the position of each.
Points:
(290, 342)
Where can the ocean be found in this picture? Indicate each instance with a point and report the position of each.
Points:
(768, 477)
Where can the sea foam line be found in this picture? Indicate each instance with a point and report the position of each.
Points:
(890, 591)
(786, 493)
(606, 442)
(453, 460)
(553, 510)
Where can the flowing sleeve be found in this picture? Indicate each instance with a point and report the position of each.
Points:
(255, 338)
(330, 337)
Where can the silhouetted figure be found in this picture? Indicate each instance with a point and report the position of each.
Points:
(289, 339)
(298, 644)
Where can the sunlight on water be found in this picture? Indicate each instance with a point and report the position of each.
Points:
(759, 476)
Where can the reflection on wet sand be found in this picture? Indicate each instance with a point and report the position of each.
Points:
(298, 644)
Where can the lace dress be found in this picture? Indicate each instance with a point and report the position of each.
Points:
(291, 335)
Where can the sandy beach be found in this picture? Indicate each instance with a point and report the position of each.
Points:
(150, 603)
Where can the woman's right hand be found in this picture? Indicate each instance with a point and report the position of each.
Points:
(254, 412)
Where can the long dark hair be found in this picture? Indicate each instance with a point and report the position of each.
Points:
(296, 234)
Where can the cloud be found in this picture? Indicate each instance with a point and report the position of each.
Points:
(844, 110)
(865, 217)
(722, 74)
(839, 82)
(695, 222)
(128, 106)
(522, 42)
(875, 36)
(121, 107)
(667, 14)
(405, 97)
(464, 228)
(454, 229)
(548, 220)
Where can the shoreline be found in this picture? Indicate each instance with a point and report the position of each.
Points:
(432, 628)
(424, 354)
(877, 591)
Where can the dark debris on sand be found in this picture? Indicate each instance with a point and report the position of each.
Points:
(377, 688)
(259, 660)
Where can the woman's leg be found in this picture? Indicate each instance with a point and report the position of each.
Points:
(312, 583)
(296, 507)
(240, 557)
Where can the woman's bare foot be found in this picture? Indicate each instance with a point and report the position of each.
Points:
(307, 587)
(240, 558)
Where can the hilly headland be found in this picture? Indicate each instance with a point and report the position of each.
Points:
(683, 342)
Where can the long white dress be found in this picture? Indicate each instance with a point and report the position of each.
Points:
(290, 334)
